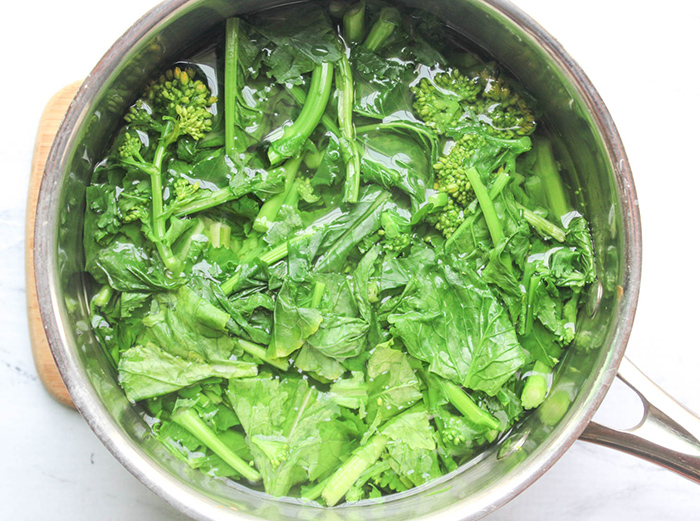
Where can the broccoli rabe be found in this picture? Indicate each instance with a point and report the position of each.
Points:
(395, 232)
(485, 97)
(474, 149)
(450, 175)
(448, 218)
(389, 18)
(354, 23)
(184, 189)
(439, 102)
(189, 419)
(294, 136)
(369, 275)
(487, 123)
(173, 106)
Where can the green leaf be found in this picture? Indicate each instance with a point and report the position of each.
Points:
(294, 320)
(392, 385)
(298, 46)
(314, 361)
(147, 371)
(128, 267)
(412, 428)
(292, 429)
(188, 326)
(542, 345)
(451, 319)
(395, 160)
(339, 336)
(381, 84)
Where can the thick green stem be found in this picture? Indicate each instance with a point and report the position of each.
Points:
(219, 197)
(354, 23)
(489, 210)
(389, 18)
(498, 185)
(270, 257)
(496, 188)
(176, 229)
(547, 170)
(230, 285)
(101, 298)
(346, 102)
(317, 295)
(159, 216)
(350, 471)
(486, 203)
(348, 147)
(542, 225)
(314, 492)
(300, 97)
(464, 404)
(231, 87)
(268, 212)
(260, 353)
(190, 420)
(569, 314)
(219, 235)
(182, 246)
(295, 135)
(536, 386)
(292, 198)
(157, 204)
(532, 286)
(336, 8)
(554, 409)
(280, 252)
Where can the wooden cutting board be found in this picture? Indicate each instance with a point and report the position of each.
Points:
(48, 126)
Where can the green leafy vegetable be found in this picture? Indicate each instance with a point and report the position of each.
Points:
(350, 274)
(451, 319)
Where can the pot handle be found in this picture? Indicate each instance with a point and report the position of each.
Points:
(668, 434)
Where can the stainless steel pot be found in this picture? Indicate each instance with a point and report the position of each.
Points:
(592, 157)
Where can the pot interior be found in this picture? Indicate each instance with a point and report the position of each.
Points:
(592, 159)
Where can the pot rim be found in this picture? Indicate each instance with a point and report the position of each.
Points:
(186, 499)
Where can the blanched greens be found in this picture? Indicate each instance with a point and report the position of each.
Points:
(348, 273)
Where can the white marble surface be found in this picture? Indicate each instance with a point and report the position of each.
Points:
(641, 55)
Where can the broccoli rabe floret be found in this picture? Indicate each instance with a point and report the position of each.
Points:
(306, 190)
(471, 149)
(135, 212)
(483, 98)
(448, 218)
(173, 106)
(175, 97)
(130, 149)
(395, 232)
(508, 112)
(439, 102)
(184, 189)
(450, 175)
(451, 179)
